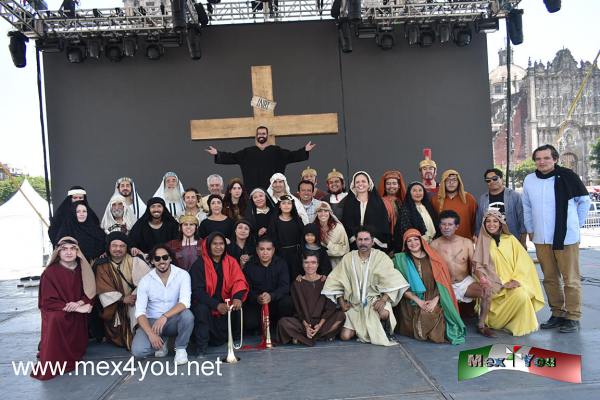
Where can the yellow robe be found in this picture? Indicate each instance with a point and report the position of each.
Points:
(514, 309)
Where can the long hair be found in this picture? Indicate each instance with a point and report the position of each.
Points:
(331, 223)
(228, 201)
(415, 218)
(294, 211)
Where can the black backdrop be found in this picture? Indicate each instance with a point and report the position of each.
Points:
(107, 120)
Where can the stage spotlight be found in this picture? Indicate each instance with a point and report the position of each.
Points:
(462, 35)
(426, 36)
(75, 52)
(154, 50)
(38, 5)
(487, 25)
(114, 51)
(365, 31)
(68, 8)
(385, 38)
(129, 46)
(515, 26)
(193, 41)
(94, 47)
(18, 48)
(552, 5)
(202, 15)
(171, 40)
(413, 35)
(50, 45)
(178, 15)
(444, 32)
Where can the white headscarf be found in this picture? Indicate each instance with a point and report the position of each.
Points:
(138, 205)
(299, 207)
(371, 184)
(278, 177)
(176, 208)
(108, 220)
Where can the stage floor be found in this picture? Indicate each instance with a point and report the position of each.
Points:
(335, 370)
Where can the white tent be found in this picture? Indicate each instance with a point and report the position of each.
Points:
(24, 239)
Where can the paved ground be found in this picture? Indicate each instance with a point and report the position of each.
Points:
(412, 370)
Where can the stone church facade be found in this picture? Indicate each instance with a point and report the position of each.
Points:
(541, 97)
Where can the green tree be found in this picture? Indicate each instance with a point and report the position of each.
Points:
(522, 170)
(595, 156)
(39, 185)
(9, 187)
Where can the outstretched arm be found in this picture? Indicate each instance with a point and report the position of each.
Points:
(211, 150)
(224, 157)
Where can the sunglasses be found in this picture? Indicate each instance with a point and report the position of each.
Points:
(164, 258)
(493, 178)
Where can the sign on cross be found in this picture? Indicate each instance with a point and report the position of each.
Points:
(263, 106)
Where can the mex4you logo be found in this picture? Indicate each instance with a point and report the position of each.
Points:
(533, 360)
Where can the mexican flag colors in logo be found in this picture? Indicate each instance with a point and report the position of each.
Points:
(551, 364)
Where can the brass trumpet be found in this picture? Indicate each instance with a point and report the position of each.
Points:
(231, 358)
(266, 326)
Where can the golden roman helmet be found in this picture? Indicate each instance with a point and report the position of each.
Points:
(335, 174)
(308, 171)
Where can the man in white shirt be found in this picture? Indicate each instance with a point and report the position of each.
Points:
(306, 190)
(162, 309)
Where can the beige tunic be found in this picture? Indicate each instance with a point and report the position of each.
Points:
(338, 245)
(361, 284)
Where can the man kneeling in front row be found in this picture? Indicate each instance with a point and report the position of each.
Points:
(162, 308)
(366, 286)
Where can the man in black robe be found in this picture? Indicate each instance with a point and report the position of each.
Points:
(156, 226)
(258, 163)
(269, 282)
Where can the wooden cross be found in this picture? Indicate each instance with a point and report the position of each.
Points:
(281, 125)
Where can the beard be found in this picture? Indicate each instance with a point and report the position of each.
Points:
(261, 139)
(172, 195)
(117, 213)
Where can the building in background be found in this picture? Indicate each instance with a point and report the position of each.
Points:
(13, 170)
(541, 97)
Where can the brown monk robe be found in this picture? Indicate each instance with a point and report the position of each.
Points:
(118, 317)
(67, 288)
(116, 282)
(413, 321)
(312, 308)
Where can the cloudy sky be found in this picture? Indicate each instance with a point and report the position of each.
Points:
(574, 27)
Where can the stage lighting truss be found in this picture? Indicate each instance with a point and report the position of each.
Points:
(30, 17)
(423, 12)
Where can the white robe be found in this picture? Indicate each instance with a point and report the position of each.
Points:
(175, 208)
(362, 284)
